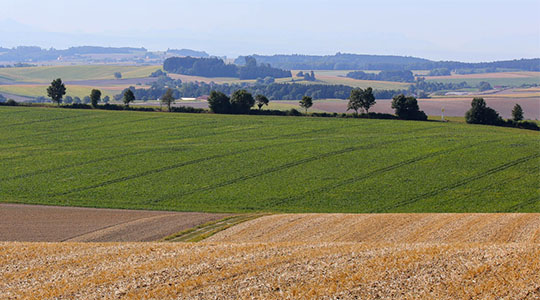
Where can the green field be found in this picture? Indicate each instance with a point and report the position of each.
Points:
(71, 90)
(46, 74)
(207, 162)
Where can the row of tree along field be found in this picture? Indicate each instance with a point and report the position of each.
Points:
(241, 102)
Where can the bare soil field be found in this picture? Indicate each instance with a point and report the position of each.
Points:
(34, 223)
(387, 228)
(268, 271)
(455, 106)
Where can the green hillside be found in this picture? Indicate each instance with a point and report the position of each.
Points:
(206, 162)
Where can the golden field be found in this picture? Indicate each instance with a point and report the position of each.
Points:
(269, 271)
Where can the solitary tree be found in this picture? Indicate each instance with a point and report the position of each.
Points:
(56, 91)
(306, 102)
(407, 108)
(361, 99)
(241, 102)
(128, 97)
(168, 98)
(106, 99)
(517, 113)
(95, 97)
(261, 101)
(219, 102)
(117, 75)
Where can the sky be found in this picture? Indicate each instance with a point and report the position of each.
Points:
(471, 31)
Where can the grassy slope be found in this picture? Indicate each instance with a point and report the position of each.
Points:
(87, 72)
(71, 90)
(247, 163)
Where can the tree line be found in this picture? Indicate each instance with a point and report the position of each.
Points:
(393, 75)
(216, 67)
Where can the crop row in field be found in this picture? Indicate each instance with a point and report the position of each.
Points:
(269, 271)
(386, 228)
(262, 163)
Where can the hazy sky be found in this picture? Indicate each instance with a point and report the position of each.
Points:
(473, 30)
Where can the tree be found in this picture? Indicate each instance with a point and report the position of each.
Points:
(68, 100)
(407, 108)
(117, 75)
(86, 100)
(261, 100)
(106, 99)
(361, 99)
(241, 102)
(355, 100)
(484, 86)
(219, 102)
(95, 97)
(168, 98)
(56, 91)
(128, 97)
(306, 103)
(517, 113)
(480, 113)
(77, 100)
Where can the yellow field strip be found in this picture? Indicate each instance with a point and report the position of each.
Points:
(269, 271)
(386, 228)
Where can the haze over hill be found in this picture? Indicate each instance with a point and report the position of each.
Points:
(461, 30)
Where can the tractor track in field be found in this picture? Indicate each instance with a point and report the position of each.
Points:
(101, 125)
(171, 167)
(276, 202)
(165, 168)
(523, 204)
(101, 159)
(461, 182)
(46, 120)
(282, 167)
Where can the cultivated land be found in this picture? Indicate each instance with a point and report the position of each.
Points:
(269, 271)
(226, 163)
(387, 228)
(32, 223)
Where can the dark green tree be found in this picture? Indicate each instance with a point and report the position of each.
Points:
(261, 100)
(95, 97)
(168, 98)
(355, 100)
(77, 100)
(86, 100)
(241, 102)
(361, 99)
(128, 97)
(219, 103)
(68, 99)
(517, 113)
(407, 108)
(117, 75)
(56, 91)
(306, 103)
(106, 99)
(480, 113)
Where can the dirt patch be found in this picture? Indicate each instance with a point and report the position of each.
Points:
(35, 223)
(387, 228)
